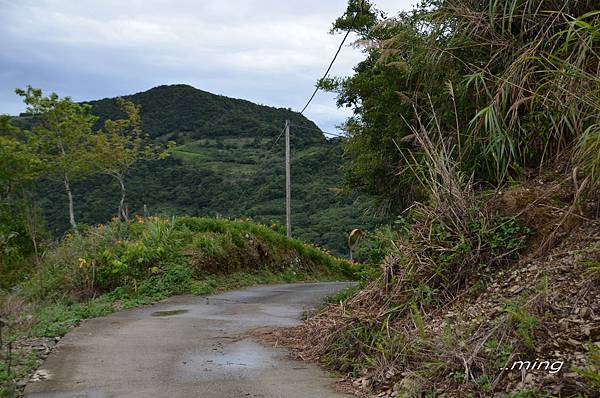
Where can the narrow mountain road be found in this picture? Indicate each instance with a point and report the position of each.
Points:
(188, 346)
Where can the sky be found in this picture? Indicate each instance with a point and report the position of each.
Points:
(267, 51)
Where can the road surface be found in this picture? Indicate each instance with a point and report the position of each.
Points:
(188, 346)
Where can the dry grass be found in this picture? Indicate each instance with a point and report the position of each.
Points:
(429, 325)
(545, 308)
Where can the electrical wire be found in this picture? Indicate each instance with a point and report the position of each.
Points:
(278, 137)
(335, 56)
(270, 150)
(319, 130)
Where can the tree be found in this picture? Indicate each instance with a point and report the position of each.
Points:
(121, 144)
(5, 127)
(63, 138)
(383, 92)
(18, 163)
(19, 167)
(504, 94)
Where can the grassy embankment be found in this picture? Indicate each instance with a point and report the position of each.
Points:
(123, 265)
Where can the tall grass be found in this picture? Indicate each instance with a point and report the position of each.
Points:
(530, 87)
(539, 87)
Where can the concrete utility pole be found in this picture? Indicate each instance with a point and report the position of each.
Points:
(288, 183)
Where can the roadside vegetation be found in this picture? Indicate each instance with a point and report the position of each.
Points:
(126, 264)
(476, 126)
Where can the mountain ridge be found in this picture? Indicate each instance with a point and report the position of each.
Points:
(181, 113)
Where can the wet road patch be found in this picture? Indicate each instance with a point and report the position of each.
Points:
(169, 313)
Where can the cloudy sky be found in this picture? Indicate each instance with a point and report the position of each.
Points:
(267, 51)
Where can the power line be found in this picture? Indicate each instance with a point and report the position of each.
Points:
(286, 129)
(319, 130)
(335, 56)
(337, 135)
(278, 137)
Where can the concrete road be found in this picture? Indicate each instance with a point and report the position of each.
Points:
(187, 346)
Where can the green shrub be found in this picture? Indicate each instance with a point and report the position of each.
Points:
(163, 256)
(175, 280)
(504, 235)
(15, 245)
(523, 322)
(591, 373)
(377, 244)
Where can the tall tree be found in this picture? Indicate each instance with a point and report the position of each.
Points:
(18, 163)
(121, 144)
(63, 137)
(19, 167)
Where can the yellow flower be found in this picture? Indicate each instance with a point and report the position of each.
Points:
(82, 262)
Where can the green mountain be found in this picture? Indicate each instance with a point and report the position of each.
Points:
(182, 113)
(227, 163)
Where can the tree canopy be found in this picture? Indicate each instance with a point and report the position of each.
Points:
(506, 86)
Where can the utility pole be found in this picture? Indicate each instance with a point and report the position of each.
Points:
(288, 183)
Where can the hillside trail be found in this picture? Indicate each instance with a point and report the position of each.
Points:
(188, 346)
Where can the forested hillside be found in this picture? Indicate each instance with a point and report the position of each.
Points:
(226, 162)
(182, 113)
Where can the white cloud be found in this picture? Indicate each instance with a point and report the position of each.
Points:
(267, 51)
